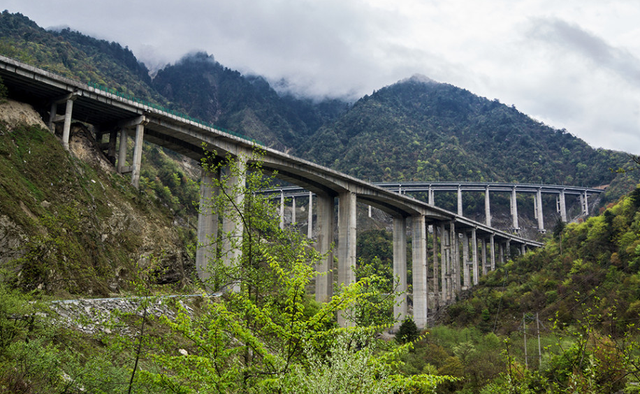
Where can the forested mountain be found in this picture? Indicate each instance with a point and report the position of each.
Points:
(245, 104)
(421, 130)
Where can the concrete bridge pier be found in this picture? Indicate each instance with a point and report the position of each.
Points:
(492, 245)
(538, 208)
(455, 260)
(232, 224)
(444, 288)
(139, 123)
(460, 212)
(514, 210)
(207, 224)
(346, 244)
(466, 274)
(561, 204)
(483, 246)
(434, 260)
(400, 268)
(310, 217)
(584, 202)
(66, 118)
(419, 270)
(487, 207)
(281, 210)
(324, 241)
(474, 251)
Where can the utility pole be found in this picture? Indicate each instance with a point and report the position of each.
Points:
(524, 326)
(539, 347)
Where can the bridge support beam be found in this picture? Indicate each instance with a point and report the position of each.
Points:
(460, 210)
(137, 155)
(466, 275)
(562, 206)
(281, 210)
(436, 279)
(474, 253)
(539, 213)
(455, 260)
(443, 264)
(232, 224)
(419, 271)
(293, 210)
(346, 244)
(584, 202)
(325, 224)
(400, 268)
(122, 151)
(487, 207)
(310, 217)
(493, 251)
(514, 210)
(207, 225)
(483, 245)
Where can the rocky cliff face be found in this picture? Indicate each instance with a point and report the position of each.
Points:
(69, 223)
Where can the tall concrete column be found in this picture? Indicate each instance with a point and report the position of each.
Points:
(436, 277)
(563, 206)
(460, 200)
(137, 155)
(443, 264)
(523, 249)
(400, 268)
(487, 207)
(122, 151)
(52, 117)
(325, 224)
(483, 244)
(508, 249)
(66, 130)
(466, 280)
(310, 217)
(474, 254)
(501, 247)
(455, 259)
(293, 210)
(585, 203)
(207, 225)
(346, 243)
(539, 210)
(431, 196)
(514, 209)
(493, 251)
(281, 209)
(419, 271)
(232, 224)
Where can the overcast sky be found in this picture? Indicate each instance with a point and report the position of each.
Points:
(571, 64)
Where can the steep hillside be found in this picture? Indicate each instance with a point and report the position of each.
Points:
(592, 266)
(69, 223)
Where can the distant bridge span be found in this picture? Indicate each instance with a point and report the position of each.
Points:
(560, 191)
(454, 257)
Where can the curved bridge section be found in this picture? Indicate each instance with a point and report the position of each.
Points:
(462, 249)
(487, 188)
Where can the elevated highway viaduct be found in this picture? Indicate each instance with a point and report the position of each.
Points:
(455, 238)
